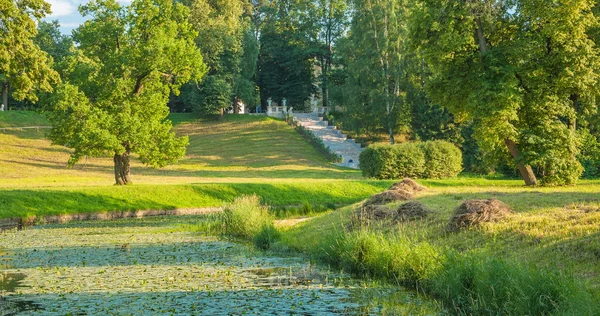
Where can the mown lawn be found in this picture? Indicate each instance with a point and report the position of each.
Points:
(240, 148)
(240, 154)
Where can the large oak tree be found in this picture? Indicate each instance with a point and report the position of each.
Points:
(127, 62)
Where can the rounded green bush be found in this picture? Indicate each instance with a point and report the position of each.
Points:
(432, 159)
(377, 161)
(409, 161)
(442, 159)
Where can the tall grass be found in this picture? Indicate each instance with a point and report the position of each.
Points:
(465, 284)
(247, 218)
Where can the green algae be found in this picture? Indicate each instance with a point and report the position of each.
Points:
(149, 266)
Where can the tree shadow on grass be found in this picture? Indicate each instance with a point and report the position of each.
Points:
(22, 203)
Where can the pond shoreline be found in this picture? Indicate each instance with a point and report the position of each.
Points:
(19, 223)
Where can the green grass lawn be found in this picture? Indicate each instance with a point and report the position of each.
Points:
(22, 119)
(552, 229)
(240, 154)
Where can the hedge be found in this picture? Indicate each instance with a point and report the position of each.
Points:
(432, 159)
(442, 159)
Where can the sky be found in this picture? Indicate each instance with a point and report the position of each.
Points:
(65, 11)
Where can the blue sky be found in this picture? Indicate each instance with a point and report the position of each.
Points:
(65, 11)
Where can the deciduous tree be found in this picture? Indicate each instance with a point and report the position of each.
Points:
(24, 67)
(128, 61)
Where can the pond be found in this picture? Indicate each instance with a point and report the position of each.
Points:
(159, 266)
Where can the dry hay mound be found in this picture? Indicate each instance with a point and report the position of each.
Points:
(408, 185)
(389, 197)
(474, 212)
(375, 212)
(368, 214)
(412, 210)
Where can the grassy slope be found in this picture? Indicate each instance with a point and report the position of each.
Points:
(553, 228)
(22, 119)
(239, 155)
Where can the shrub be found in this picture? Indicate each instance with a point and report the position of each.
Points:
(442, 159)
(245, 217)
(266, 237)
(377, 161)
(409, 161)
(432, 159)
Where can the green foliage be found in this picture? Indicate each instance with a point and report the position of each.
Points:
(409, 161)
(589, 155)
(475, 285)
(215, 95)
(24, 67)
(432, 159)
(369, 253)
(286, 66)
(119, 85)
(372, 83)
(377, 161)
(245, 217)
(52, 41)
(442, 159)
(465, 284)
(229, 51)
(513, 74)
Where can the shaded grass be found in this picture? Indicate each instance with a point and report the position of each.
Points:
(24, 202)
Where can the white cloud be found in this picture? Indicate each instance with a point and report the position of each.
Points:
(62, 8)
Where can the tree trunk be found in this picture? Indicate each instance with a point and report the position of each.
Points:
(236, 109)
(122, 168)
(525, 170)
(573, 120)
(4, 105)
(324, 74)
(483, 45)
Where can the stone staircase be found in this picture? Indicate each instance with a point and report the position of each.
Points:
(334, 139)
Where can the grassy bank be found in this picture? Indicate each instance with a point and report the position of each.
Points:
(541, 260)
(56, 201)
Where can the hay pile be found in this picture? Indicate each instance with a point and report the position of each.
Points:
(408, 185)
(475, 212)
(412, 210)
(373, 213)
(388, 197)
(381, 213)
(374, 208)
(401, 191)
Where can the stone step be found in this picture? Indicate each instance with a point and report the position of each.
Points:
(332, 138)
